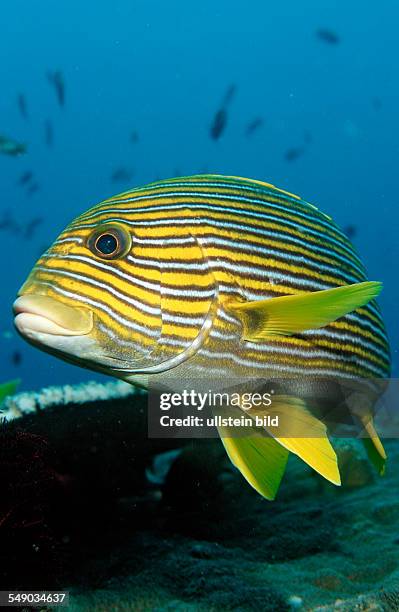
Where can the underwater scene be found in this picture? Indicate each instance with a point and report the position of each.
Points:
(199, 322)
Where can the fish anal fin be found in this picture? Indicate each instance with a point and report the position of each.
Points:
(260, 459)
(303, 434)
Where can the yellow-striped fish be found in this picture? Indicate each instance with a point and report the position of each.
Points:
(219, 277)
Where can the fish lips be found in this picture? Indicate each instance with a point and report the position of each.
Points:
(36, 315)
(65, 331)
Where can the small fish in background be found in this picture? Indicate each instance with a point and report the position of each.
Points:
(161, 465)
(31, 227)
(253, 126)
(34, 188)
(25, 178)
(134, 137)
(21, 101)
(328, 36)
(293, 154)
(219, 124)
(8, 223)
(16, 358)
(377, 103)
(11, 147)
(56, 79)
(350, 231)
(121, 175)
(48, 133)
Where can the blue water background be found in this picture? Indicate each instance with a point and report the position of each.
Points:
(162, 68)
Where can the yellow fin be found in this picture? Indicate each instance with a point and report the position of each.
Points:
(260, 459)
(304, 435)
(293, 314)
(374, 456)
(374, 448)
(361, 407)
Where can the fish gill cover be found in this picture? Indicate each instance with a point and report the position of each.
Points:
(201, 283)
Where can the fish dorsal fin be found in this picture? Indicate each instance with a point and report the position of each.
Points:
(260, 459)
(302, 434)
(293, 314)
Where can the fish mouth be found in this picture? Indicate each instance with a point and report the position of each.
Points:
(40, 314)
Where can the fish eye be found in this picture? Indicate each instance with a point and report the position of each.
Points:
(110, 241)
(107, 244)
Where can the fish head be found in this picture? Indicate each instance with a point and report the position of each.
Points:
(118, 294)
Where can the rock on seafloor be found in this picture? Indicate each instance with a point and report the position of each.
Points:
(78, 511)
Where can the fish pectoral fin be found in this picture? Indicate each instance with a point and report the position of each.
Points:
(260, 459)
(374, 448)
(303, 434)
(293, 314)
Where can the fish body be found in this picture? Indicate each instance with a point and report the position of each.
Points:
(48, 133)
(31, 227)
(134, 137)
(328, 36)
(16, 358)
(218, 124)
(293, 154)
(25, 178)
(56, 79)
(32, 189)
(253, 126)
(8, 223)
(121, 175)
(216, 278)
(350, 230)
(11, 147)
(21, 100)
